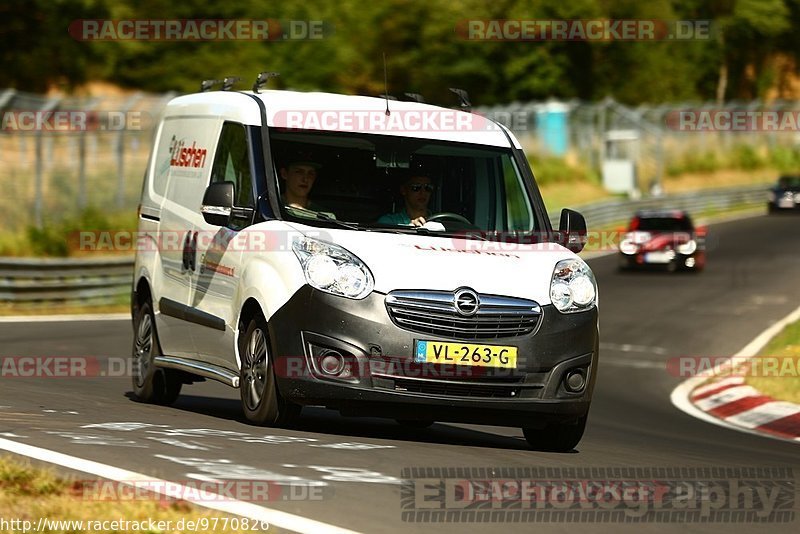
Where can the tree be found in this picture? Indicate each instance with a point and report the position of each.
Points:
(36, 50)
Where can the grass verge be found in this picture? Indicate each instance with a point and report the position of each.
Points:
(28, 493)
(776, 371)
(117, 304)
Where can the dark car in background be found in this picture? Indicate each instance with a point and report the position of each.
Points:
(785, 194)
(665, 239)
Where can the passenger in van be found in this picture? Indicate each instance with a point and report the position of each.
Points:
(416, 192)
(299, 174)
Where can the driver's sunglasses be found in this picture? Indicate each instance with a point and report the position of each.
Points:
(418, 187)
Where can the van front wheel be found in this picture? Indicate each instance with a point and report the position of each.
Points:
(556, 437)
(261, 401)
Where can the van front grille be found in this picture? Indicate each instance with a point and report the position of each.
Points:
(462, 314)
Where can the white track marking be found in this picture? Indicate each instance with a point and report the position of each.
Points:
(726, 396)
(766, 413)
(627, 347)
(680, 395)
(727, 382)
(635, 364)
(294, 523)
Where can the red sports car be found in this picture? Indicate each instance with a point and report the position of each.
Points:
(663, 239)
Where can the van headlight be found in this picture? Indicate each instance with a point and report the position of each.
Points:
(333, 269)
(573, 288)
(688, 248)
(771, 196)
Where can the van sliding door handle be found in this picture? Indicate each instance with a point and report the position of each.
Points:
(193, 252)
(185, 259)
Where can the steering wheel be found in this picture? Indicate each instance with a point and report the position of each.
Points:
(448, 215)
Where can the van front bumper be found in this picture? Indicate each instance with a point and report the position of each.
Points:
(382, 378)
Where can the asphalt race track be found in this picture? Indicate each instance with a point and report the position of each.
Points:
(347, 472)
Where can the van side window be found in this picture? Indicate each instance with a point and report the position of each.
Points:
(232, 163)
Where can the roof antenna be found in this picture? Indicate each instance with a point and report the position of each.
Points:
(386, 85)
(263, 78)
(228, 82)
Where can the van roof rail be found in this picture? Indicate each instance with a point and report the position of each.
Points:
(463, 98)
(416, 97)
(228, 82)
(263, 78)
(207, 85)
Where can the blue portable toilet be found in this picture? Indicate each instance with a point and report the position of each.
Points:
(552, 127)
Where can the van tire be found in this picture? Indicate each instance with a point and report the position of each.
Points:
(262, 403)
(556, 437)
(150, 383)
(414, 423)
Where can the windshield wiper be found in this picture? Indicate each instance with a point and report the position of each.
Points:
(351, 225)
(421, 230)
(304, 213)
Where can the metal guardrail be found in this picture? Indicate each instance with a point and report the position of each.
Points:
(45, 281)
(603, 214)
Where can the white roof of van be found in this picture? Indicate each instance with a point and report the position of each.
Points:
(345, 113)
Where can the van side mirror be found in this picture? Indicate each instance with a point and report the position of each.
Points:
(217, 203)
(572, 230)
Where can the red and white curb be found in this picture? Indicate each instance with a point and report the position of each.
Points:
(731, 403)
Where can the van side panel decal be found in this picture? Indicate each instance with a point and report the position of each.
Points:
(183, 156)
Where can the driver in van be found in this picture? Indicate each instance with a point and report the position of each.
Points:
(416, 192)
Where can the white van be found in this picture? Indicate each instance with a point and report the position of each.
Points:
(376, 257)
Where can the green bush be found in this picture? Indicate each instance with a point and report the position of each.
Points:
(53, 238)
(747, 158)
(550, 170)
(694, 162)
(785, 159)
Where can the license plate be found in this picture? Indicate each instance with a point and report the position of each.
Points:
(466, 354)
(786, 203)
(658, 257)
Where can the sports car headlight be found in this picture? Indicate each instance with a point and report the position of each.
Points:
(573, 288)
(688, 248)
(333, 269)
(627, 246)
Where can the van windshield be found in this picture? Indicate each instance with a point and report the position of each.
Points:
(382, 182)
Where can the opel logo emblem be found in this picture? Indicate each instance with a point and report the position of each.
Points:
(466, 302)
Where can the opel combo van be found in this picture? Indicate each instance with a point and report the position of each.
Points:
(278, 255)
